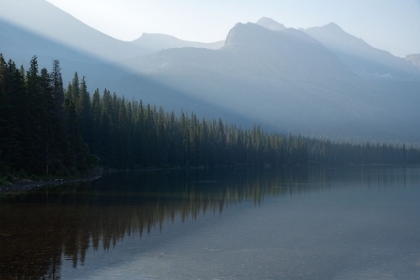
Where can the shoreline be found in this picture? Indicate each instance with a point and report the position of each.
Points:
(24, 185)
(19, 185)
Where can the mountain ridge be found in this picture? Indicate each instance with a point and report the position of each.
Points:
(271, 24)
(363, 59)
(282, 79)
(99, 73)
(155, 42)
(61, 27)
(277, 72)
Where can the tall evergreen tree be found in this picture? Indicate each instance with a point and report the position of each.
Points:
(83, 109)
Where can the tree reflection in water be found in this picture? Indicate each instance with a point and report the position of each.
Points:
(41, 228)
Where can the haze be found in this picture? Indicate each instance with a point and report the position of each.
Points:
(390, 25)
(190, 109)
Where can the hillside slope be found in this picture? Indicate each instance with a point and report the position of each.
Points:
(363, 59)
(286, 80)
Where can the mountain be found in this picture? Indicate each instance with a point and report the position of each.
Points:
(282, 79)
(363, 59)
(414, 58)
(57, 25)
(270, 24)
(157, 42)
(20, 45)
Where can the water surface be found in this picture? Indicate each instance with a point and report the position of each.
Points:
(302, 223)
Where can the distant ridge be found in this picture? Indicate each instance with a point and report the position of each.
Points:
(363, 59)
(333, 27)
(57, 25)
(270, 24)
(155, 42)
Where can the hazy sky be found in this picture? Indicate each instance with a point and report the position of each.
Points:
(393, 25)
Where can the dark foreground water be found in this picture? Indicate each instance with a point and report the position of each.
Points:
(307, 223)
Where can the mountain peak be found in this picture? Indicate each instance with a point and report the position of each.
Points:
(249, 34)
(270, 24)
(256, 37)
(333, 27)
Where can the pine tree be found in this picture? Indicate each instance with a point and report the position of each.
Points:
(83, 110)
(31, 121)
(58, 141)
(78, 153)
(47, 110)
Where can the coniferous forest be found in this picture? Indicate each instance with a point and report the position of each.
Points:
(48, 129)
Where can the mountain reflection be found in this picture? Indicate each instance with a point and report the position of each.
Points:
(39, 228)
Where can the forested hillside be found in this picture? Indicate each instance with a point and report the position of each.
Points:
(284, 80)
(46, 129)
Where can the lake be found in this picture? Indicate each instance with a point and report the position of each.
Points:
(291, 223)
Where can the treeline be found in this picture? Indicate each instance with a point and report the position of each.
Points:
(125, 134)
(327, 152)
(45, 128)
(39, 127)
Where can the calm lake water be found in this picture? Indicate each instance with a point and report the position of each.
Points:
(301, 223)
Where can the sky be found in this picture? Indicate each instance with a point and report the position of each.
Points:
(392, 25)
